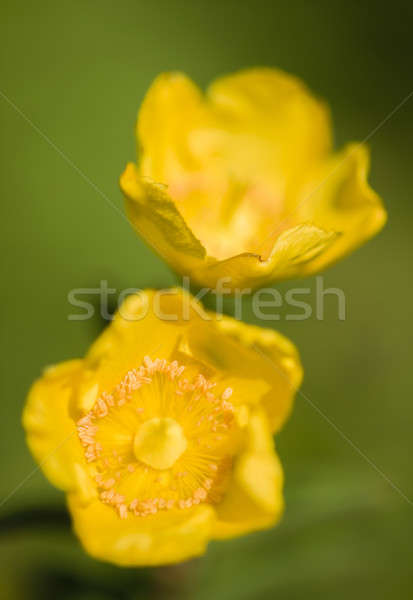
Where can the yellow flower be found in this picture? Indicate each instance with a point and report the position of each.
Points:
(241, 183)
(162, 435)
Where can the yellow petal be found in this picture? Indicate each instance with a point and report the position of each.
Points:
(293, 251)
(51, 433)
(172, 107)
(147, 323)
(338, 197)
(155, 217)
(278, 109)
(254, 499)
(239, 350)
(259, 118)
(136, 541)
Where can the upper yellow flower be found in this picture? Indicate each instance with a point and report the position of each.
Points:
(241, 182)
(162, 435)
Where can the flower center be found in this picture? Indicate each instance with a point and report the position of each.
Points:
(159, 442)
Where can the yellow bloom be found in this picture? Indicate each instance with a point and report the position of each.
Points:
(242, 184)
(162, 435)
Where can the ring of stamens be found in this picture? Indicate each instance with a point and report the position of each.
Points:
(159, 440)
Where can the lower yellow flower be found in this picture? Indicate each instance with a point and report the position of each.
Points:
(162, 435)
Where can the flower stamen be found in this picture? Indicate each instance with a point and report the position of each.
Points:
(159, 440)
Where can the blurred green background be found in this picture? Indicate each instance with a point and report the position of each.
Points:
(78, 71)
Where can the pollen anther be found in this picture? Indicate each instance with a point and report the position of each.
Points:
(159, 441)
